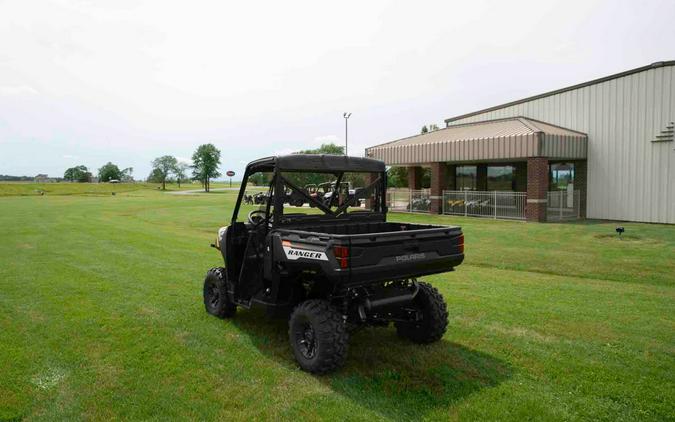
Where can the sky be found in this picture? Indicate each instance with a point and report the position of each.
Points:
(87, 82)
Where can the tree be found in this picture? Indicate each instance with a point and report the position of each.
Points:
(109, 172)
(127, 175)
(164, 165)
(425, 178)
(302, 179)
(330, 149)
(77, 174)
(155, 176)
(432, 127)
(260, 179)
(181, 172)
(397, 177)
(205, 164)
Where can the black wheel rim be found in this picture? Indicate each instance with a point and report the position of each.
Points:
(306, 340)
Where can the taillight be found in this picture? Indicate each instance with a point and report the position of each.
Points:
(460, 243)
(342, 255)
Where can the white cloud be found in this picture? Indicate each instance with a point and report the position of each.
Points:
(17, 90)
(285, 151)
(70, 157)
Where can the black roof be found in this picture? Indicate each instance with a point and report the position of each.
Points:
(317, 162)
(569, 88)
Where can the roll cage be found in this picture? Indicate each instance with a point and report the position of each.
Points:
(337, 165)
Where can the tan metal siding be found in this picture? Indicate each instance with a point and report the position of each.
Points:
(629, 177)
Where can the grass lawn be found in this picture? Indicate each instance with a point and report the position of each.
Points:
(100, 189)
(101, 317)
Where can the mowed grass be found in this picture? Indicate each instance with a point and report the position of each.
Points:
(101, 317)
(99, 189)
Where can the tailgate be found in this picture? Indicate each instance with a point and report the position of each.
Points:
(405, 254)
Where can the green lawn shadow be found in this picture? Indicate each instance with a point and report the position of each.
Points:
(386, 374)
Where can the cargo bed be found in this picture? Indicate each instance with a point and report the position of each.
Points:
(380, 251)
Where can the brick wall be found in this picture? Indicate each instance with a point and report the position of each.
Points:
(414, 177)
(439, 182)
(370, 178)
(537, 188)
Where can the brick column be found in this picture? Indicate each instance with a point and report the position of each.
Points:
(414, 177)
(537, 188)
(580, 174)
(439, 182)
(370, 178)
(481, 177)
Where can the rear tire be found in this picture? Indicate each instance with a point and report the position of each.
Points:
(216, 299)
(318, 336)
(434, 321)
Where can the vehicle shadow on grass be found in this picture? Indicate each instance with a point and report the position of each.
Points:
(386, 374)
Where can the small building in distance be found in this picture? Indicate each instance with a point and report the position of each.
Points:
(42, 178)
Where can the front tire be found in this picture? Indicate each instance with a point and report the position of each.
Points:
(216, 298)
(318, 336)
(434, 320)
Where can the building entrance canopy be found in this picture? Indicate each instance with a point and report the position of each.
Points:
(516, 138)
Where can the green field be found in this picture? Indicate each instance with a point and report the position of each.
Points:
(98, 189)
(101, 317)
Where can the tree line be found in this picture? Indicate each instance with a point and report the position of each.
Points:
(205, 164)
(10, 178)
(108, 172)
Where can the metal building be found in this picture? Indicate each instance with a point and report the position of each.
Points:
(614, 133)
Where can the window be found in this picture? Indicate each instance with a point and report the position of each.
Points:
(561, 175)
(501, 178)
(466, 177)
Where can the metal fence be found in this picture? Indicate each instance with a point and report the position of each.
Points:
(495, 204)
(563, 205)
(406, 200)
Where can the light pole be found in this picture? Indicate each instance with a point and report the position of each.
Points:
(346, 116)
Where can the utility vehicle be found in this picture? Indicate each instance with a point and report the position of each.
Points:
(332, 267)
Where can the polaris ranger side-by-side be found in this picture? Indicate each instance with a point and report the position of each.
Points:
(333, 263)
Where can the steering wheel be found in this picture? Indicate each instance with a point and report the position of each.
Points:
(256, 217)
